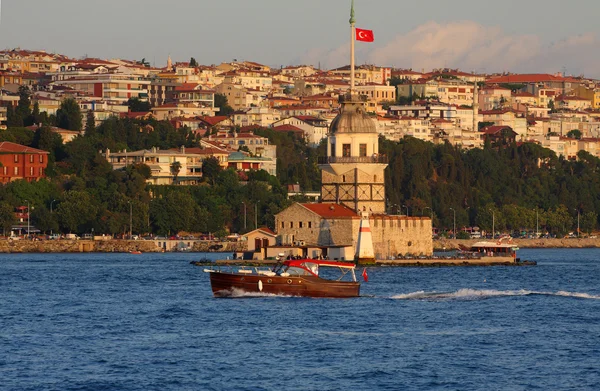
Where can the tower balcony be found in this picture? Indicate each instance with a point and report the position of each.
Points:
(376, 159)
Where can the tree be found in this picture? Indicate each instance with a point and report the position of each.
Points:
(13, 119)
(221, 103)
(90, 124)
(144, 63)
(193, 62)
(7, 217)
(24, 105)
(175, 169)
(211, 169)
(77, 211)
(136, 105)
(68, 116)
(575, 133)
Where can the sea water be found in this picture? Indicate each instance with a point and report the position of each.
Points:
(150, 322)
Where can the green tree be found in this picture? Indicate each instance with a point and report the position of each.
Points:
(223, 105)
(24, 106)
(68, 116)
(77, 211)
(136, 105)
(575, 133)
(175, 169)
(90, 124)
(13, 118)
(7, 217)
(211, 169)
(193, 62)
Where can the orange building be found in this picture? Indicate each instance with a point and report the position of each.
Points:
(21, 162)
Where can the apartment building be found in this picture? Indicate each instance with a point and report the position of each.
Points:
(21, 162)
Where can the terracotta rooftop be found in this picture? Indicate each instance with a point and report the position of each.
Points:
(8, 147)
(331, 210)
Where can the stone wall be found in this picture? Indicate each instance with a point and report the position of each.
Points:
(106, 246)
(393, 235)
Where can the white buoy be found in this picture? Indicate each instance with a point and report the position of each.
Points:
(260, 286)
(364, 248)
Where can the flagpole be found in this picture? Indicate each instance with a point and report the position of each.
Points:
(352, 37)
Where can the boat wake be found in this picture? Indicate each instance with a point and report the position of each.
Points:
(475, 294)
(238, 293)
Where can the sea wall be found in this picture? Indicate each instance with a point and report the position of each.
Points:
(108, 246)
(452, 244)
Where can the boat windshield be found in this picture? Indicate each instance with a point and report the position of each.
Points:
(296, 271)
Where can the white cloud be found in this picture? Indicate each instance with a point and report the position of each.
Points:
(470, 46)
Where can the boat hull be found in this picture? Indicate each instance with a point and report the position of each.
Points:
(228, 284)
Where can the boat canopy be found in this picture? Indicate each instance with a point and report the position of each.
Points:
(492, 245)
(302, 263)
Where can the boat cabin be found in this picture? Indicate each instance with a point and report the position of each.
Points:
(328, 270)
(498, 249)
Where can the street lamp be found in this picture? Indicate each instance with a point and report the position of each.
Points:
(431, 210)
(493, 224)
(27, 219)
(577, 209)
(245, 215)
(256, 215)
(454, 228)
(130, 219)
(51, 202)
(404, 206)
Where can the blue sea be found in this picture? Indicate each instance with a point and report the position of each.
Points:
(150, 322)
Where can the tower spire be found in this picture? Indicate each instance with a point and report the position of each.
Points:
(352, 37)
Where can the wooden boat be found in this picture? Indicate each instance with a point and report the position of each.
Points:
(135, 252)
(295, 277)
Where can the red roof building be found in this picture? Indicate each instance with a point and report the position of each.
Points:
(21, 162)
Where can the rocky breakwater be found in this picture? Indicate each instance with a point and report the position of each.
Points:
(76, 246)
(452, 244)
(209, 246)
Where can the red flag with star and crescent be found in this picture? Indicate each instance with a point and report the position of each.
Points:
(365, 275)
(364, 35)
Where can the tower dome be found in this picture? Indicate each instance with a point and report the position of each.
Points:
(352, 117)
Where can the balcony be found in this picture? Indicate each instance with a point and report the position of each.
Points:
(379, 159)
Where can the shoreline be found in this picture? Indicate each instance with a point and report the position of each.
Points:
(126, 246)
(453, 244)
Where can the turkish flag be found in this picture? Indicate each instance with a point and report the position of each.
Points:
(364, 35)
(365, 275)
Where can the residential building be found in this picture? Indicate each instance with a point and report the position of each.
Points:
(365, 74)
(257, 145)
(186, 110)
(110, 87)
(3, 118)
(573, 103)
(10, 78)
(261, 116)
(591, 93)
(21, 162)
(168, 167)
(314, 129)
(240, 161)
(192, 93)
(494, 97)
(237, 96)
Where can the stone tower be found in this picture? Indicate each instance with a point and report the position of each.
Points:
(352, 172)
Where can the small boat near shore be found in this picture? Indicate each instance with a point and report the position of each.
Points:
(294, 277)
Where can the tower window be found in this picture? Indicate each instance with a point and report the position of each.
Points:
(333, 150)
(362, 150)
(346, 150)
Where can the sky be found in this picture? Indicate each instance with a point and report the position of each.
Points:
(545, 36)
